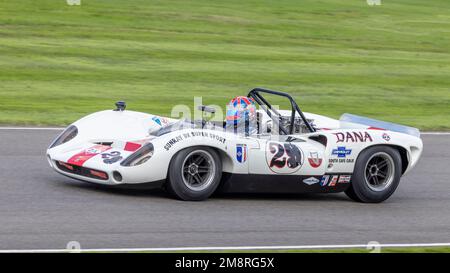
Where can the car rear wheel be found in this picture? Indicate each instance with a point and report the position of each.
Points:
(194, 173)
(376, 176)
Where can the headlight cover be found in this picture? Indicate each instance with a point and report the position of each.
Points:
(69, 133)
(140, 156)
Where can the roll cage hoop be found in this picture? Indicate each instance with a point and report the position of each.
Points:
(274, 114)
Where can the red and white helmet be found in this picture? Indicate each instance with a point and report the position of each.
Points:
(239, 110)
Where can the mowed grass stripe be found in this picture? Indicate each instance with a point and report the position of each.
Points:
(59, 63)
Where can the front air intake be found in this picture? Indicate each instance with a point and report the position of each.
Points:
(79, 170)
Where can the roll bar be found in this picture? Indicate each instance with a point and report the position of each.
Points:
(257, 96)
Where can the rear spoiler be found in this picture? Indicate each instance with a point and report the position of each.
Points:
(349, 118)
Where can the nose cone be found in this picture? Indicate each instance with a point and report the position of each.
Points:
(121, 125)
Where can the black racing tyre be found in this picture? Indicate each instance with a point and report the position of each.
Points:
(376, 176)
(194, 173)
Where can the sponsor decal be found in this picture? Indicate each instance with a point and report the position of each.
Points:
(283, 157)
(112, 157)
(333, 180)
(344, 179)
(193, 134)
(157, 120)
(311, 181)
(314, 160)
(353, 137)
(341, 151)
(341, 160)
(324, 180)
(241, 153)
(160, 121)
(386, 137)
(80, 158)
(172, 142)
(97, 149)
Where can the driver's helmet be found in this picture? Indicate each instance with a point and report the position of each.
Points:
(241, 111)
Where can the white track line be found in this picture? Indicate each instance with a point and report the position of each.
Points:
(435, 133)
(32, 128)
(59, 129)
(225, 248)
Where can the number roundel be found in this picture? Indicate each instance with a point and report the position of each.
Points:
(284, 157)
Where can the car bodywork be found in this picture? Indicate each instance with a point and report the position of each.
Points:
(318, 154)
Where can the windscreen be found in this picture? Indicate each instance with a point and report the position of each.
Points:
(380, 124)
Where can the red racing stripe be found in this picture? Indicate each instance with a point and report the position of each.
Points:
(80, 158)
(376, 128)
(131, 146)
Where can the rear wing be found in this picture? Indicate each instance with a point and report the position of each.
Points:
(349, 118)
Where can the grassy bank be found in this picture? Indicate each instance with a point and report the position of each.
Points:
(59, 62)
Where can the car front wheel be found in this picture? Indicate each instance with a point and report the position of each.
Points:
(376, 176)
(194, 173)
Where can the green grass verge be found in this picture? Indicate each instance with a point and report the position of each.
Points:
(59, 62)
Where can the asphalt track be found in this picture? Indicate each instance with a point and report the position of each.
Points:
(40, 209)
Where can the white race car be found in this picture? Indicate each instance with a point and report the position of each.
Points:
(290, 152)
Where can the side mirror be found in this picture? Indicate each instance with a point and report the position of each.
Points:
(207, 109)
(120, 106)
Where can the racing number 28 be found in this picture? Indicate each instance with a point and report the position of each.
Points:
(285, 154)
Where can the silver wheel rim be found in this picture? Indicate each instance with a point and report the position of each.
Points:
(379, 171)
(198, 170)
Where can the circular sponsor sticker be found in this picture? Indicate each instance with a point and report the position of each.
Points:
(284, 158)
